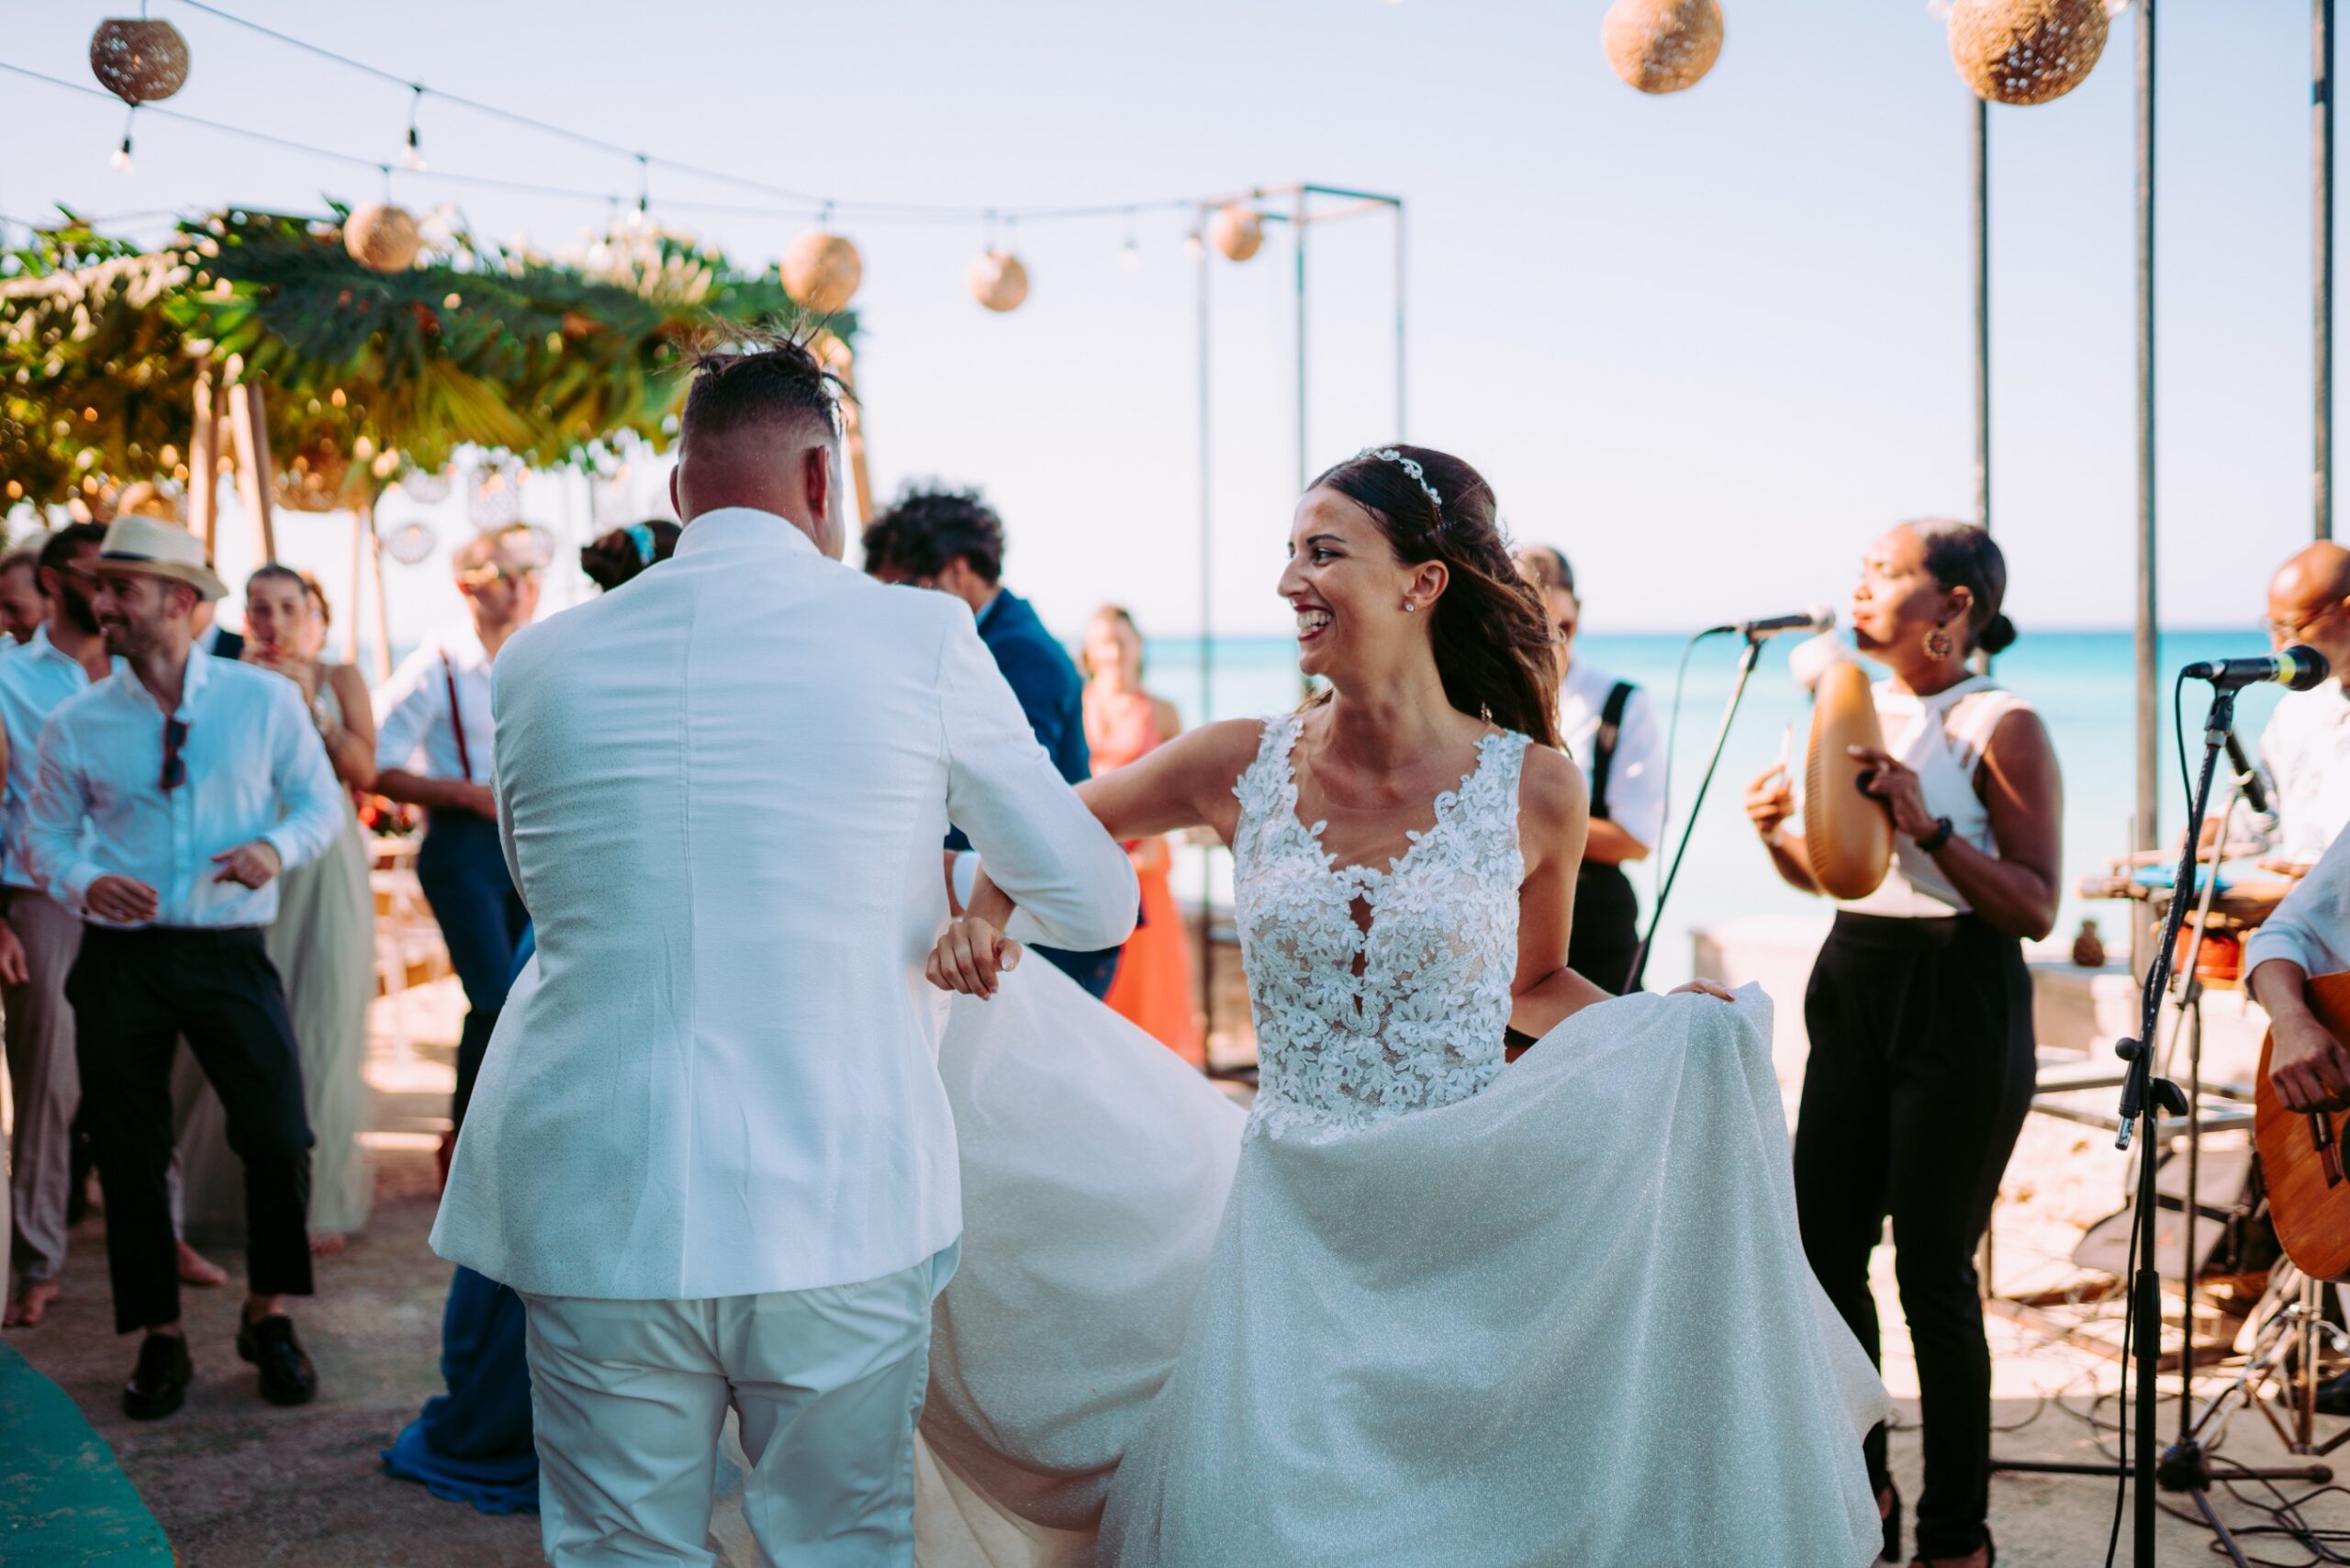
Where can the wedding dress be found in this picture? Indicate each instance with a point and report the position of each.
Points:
(1416, 1309)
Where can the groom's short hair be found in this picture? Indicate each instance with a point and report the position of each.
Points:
(746, 379)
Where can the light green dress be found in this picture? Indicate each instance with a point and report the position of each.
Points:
(323, 943)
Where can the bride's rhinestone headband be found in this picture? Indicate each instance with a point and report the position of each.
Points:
(1410, 467)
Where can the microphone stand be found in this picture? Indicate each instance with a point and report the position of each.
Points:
(2145, 1100)
(1746, 663)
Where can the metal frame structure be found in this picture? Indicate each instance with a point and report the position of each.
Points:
(2148, 702)
(1306, 205)
(2321, 264)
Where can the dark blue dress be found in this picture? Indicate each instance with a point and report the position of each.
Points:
(473, 1444)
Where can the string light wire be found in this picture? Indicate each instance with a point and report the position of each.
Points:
(799, 201)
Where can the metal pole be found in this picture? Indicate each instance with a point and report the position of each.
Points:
(1979, 157)
(1207, 641)
(2148, 627)
(1402, 432)
(2321, 261)
(1298, 223)
(1979, 183)
(2148, 1300)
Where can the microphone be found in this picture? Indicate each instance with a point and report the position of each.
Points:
(1818, 618)
(2299, 668)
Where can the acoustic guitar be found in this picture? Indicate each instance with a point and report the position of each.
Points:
(2301, 1155)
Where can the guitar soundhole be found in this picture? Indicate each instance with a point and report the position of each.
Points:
(2329, 1147)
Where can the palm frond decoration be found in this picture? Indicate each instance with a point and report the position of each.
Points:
(547, 359)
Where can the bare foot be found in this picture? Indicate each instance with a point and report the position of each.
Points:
(196, 1268)
(327, 1243)
(25, 1311)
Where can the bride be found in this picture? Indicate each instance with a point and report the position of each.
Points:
(1496, 1271)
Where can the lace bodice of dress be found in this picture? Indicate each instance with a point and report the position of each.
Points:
(1355, 1025)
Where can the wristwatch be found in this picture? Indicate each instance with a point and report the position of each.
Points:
(1932, 843)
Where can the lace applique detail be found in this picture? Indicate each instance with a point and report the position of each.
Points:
(1421, 1024)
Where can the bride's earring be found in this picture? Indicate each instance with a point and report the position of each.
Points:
(1939, 645)
(1409, 607)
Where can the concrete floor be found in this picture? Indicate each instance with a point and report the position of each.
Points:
(236, 1481)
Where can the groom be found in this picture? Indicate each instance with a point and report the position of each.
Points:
(709, 1145)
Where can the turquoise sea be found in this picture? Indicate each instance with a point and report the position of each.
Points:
(2080, 681)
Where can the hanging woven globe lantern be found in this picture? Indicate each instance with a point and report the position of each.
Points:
(313, 477)
(381, 238)
(136, 60)
(2026, 51)
(1662, 46)
(997, 281)
(1238, 232)
(821, 272)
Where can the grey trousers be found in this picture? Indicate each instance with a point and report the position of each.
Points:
(45, 1087)
(629, 1397)
(42, 1080)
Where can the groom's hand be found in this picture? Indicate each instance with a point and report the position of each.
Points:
(971, 957)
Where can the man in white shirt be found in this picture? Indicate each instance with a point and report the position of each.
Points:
(2308, 934)
(169, 797)
(2305, 747)
(1609, 727)
(434, 740)
(709, 1146)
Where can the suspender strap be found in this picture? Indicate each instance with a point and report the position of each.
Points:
(1603, 754)
(456, 719)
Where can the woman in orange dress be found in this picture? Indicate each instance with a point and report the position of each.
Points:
(1122, 723)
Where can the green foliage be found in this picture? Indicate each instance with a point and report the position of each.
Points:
(363, 374)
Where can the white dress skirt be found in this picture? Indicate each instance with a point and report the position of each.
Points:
(1413, 1308)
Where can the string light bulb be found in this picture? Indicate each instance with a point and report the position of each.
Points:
(413, 157)
(644, 196)
(121, 159)
(1130, 255)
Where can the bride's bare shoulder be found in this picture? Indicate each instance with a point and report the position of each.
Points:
(1225, 747)
(1551, 795)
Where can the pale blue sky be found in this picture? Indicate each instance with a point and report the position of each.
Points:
(1709, 343)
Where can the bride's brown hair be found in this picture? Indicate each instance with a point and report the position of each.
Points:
(1493, 638)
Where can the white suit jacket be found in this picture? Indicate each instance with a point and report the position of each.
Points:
(722, 789)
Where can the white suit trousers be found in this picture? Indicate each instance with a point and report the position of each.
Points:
(629, 1398)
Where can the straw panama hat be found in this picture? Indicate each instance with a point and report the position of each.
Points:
(147, 546)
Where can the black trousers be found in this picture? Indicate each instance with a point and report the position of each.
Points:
(1920, 1079)
(463, 869)
(1607, 932)
(1094, 971)
(135, 995)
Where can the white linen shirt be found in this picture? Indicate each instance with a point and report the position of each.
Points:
(1636, 778)
(33, 681)
(721, 790)
(2305, 751)
(413, 732)
(256, 770)
(2311, 927)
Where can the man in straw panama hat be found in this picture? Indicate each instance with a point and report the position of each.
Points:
(169, 797)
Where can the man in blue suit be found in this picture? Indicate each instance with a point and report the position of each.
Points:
(952, 541)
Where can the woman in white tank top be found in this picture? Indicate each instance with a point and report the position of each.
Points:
(1919, 1006)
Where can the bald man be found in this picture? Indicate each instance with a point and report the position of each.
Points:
(2305, 750)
